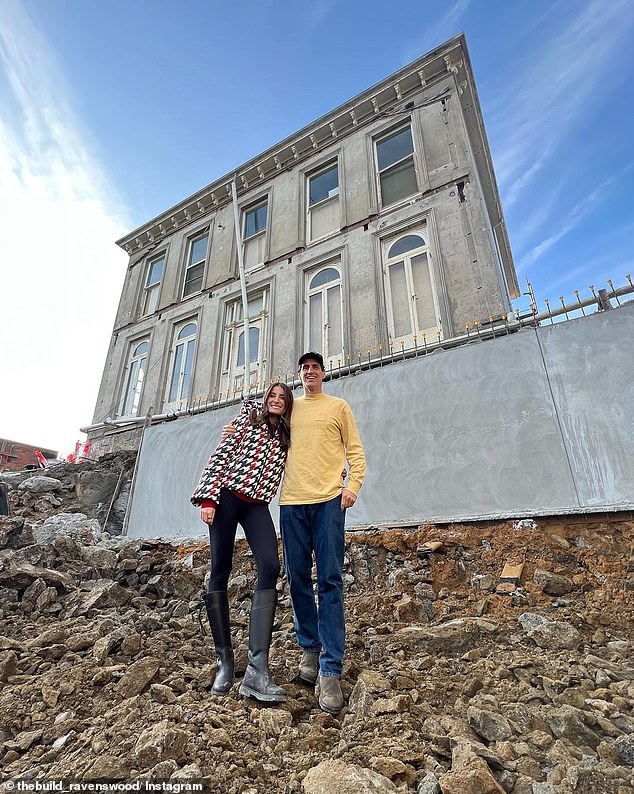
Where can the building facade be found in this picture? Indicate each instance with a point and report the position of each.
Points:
(377, 227)
(15, 456)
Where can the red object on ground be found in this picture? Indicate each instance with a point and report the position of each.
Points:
(40, 459)
(81, 453)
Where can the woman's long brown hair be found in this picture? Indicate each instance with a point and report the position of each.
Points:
(284, 422)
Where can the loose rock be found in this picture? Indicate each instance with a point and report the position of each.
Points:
(106, 673)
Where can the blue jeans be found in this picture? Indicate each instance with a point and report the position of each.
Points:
(317, 528)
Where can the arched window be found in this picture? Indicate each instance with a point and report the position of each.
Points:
(182, 368)
(137, 367)
(406, 244)
(324, 322)
(411, 300)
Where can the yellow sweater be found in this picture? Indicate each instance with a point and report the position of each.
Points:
(323, 436)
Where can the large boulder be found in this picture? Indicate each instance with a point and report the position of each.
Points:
(94, 490)
(40, 484)
(336, 777)
(161, 742)
(74, 525)
(15, 533)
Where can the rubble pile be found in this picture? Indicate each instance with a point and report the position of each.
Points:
(457, 680)
(99, 490)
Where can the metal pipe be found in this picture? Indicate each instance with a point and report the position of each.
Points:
(131, 420)
(243, 286)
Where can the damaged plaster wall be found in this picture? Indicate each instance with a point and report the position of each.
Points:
(534, 423)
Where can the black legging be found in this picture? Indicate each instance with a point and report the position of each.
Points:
(255, 519)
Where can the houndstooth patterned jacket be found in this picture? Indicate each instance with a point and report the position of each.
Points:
(249, 462)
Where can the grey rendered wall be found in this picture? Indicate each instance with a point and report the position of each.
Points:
(591, 376)
(535, 423)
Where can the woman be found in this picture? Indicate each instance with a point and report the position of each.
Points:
(236, 486)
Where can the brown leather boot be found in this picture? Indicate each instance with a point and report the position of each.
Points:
(309, 667)
(330, 694)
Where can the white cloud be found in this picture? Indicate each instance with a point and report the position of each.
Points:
(598, 270)
(569, 277)
(62, 272)
(573, 218)
(552, 90)
(541, 215)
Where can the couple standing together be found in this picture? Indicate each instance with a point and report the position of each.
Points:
(309, 441)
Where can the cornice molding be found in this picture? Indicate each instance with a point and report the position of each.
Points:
(360, 110)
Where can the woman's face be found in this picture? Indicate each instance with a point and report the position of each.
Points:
(276, 401)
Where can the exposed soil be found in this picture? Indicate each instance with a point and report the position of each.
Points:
(450, 686)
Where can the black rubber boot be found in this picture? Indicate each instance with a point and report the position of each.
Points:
(257, 682)
(217, 604)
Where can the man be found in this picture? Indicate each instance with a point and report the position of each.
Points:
(313, 502)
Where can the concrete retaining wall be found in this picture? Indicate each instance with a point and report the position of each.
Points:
(535, 423)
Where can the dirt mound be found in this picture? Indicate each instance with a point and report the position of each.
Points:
(450, 686)
(98, 489)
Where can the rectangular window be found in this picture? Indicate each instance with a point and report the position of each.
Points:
(395, 164)
(254, 235)
(195, 270)
(255, 220)
(323, 202)
(323, 185)
(152, 285)
(234, 370)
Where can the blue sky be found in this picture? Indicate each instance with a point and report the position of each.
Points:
(114, 111)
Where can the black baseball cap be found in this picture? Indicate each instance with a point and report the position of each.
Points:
(314, 356)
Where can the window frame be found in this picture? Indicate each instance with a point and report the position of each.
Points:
(331, 358)
(190, 264)
(311, 207)
(137, 365)
(379, 172)
(232, 329)
(151, 289)
(406, 258)
(183, 391)
(258, 237)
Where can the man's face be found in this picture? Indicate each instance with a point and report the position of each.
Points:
(311, 375)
